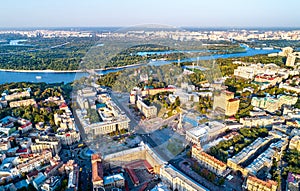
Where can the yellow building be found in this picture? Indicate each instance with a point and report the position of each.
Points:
(290, 60)
(132, 98)
(147, 111)
(255, 184)
(17, 95)
(26, 102)
(208, 161)
(295, 143)
(286, 51)
(157, 90)
(236, 167)
(232, 106)
(226, 103)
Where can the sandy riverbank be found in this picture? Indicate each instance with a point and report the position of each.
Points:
(41, 71)
(69, 71)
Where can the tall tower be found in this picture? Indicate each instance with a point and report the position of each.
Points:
(290, 60)
(180, 121)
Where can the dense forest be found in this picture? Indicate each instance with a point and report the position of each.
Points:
(42, 54)
(75, 53)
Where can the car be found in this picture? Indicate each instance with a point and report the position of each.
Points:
(229, 177)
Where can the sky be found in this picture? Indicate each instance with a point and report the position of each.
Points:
(197, 13)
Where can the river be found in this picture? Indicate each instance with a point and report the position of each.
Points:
(55, 77)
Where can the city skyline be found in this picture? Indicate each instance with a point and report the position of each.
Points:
(94, 13)
(149, 95)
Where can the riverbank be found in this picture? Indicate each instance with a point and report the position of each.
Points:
(121, 67)
(71, 71)
(41, 71)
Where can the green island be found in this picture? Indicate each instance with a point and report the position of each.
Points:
(76, 53)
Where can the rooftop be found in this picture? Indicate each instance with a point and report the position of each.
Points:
(213, 159)
(113, 178)
(268, 183)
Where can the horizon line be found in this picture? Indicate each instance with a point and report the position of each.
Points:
(127, 26)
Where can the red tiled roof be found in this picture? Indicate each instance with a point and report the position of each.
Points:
(232, 118)
(26, 125)
(197, 147)
(233, 99)
(21, 150)
(268, 183)
(97, 171)
(25, 155)
(266, 77)
(96, 156)
(63, 105)
(220, 163)
(50, 168)
(228, 92)
(132, 175)
(147, 165)
(33, 173)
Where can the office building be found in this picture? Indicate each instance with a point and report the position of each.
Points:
(225, 103)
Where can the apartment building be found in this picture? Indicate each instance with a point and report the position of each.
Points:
(23, 103)
(147, 111)
(226, 103)
(255, 184)
(211, 163)
(17, 95)
(33, 161)
(44, 143)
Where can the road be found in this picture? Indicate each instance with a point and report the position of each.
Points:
(133, 122)
(72, 153)
(80, 128)
(145, 136)
(147, 139)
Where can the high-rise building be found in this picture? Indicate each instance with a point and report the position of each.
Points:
(290, 60)
(226, 103)
(286, 51)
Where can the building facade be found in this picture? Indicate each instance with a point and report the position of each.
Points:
(226, 103)
(147, 111)
(211, 163)
(179, 181)
(255, 184)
